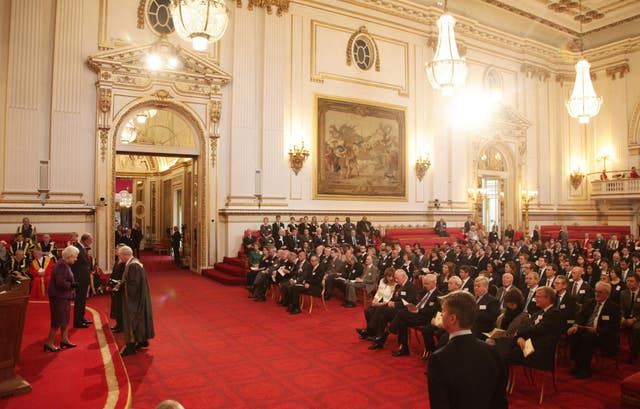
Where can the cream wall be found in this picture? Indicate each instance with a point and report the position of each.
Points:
(278, 66)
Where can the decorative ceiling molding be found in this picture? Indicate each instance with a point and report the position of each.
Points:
(281, 6)
(618, 71)
(535, 72)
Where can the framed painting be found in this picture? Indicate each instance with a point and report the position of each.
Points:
(360, 150)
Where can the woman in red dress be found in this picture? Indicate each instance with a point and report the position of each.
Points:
(60, 292)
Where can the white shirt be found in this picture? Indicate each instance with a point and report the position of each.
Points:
(459, 333)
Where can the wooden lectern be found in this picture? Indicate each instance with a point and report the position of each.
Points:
(13, 310)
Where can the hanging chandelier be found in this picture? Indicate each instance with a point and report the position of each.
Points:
(584, 103)
(447, 71)
(124, 198)
(200, 21)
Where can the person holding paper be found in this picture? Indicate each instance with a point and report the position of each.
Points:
(538, 341)
(597, 326)
(630, 306)
(417, 315)
(386, 288)
(465, 373)
(405, 293)
(513, 319)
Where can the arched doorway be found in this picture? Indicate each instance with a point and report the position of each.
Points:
(157, 154)
(495, 186)
(126, 88)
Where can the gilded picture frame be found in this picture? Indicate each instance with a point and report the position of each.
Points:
(361, 150)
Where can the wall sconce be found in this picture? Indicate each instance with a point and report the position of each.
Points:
(436, 203)
(576, 178)
(422, 166)
(297, 156)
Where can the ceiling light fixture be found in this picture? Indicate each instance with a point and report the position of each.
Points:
(584, 104)
(447, 71)
(200, 21)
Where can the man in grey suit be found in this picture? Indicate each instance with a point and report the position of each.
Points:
(367, 280)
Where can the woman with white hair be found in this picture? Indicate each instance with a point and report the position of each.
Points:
(60, 293)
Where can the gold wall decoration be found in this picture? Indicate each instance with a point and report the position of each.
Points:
(422, 166)
(140, 22)
(363, 32)
(618, 71)
(360, 150)
(535, 72)
(297, 156)
(281, 6)
(575, 178)
(104, 138)
(105, 100)
(213, 149)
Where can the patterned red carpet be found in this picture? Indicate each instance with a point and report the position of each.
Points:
(215, 348)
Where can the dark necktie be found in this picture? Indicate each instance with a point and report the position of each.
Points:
(424, 300)
(575, 289)
(592, 318)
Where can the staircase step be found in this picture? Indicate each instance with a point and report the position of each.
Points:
(223, 277)
(238, 261)
(231, 269)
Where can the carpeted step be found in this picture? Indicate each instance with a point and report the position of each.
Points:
(230, 269)
(223, 277)
(238, 261)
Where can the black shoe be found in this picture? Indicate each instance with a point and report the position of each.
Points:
(64, 345)
(295, 311)
(144, 344)
(83, 325)
(382, 338)
(251, 296)
(47, 348)
(128, 350)
(376, 345)
(401, 352)
(87, 322)
(370, 338)
(260, 299)
(349, 304)
(362, 332)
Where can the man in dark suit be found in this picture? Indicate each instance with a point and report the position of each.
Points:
(532, 281)
(364, 226)
(507, 284)
(82, 274)
(544, 331)
(417, 315)
(277, 226)
(176, 238)
(310, 284)
(596, 326)
(630, 306)
(467, 281)
(465, 372)
(580, 290)
(301, 268)
(405, 292)
(565, 302)
(347, 228)
(488, 308)
(292, 241)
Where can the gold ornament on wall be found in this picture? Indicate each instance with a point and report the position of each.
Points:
(576, 177)
(281, 6)
(422, 166)
(297, 156)
(363, 48)
(105, 100)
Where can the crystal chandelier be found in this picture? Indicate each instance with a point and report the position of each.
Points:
(124, 198)
(584, 103)
(447, 70)
(129, 133)
(200, 21)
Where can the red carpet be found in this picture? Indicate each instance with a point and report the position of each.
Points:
(91, 375)
(214, 348)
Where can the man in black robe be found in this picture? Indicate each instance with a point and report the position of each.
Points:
(137, 318)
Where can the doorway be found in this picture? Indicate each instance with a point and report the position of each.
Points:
(163, 197)
(492, 181)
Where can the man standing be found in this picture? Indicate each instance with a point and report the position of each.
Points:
(175, 244)
(82, 274)
(137, 319)
(136, 238)
(466, 372)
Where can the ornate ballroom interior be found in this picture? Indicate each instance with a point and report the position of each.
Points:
(216, 135)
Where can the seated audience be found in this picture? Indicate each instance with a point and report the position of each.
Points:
(386, 288)
(565, 302)
(532, 281)
(441, 228)
(405, 293)
(47, 246)
(488, 308)
(513, 319)
(596, 327)
(544, 331)
(28, 231)
(310, 284)
(507, 285)
(367, 280)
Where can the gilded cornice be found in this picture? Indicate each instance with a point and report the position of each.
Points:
(281, 6)
(618, 71)
(535, 72)
(471, 31)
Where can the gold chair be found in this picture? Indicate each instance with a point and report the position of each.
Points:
(530, 372)
(303, 296)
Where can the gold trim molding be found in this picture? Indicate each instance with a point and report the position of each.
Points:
(618, 71)
(535, 72)
(362, 31)
(281, 6)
